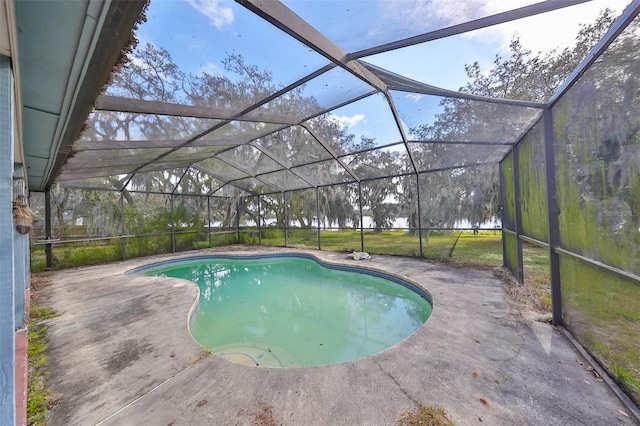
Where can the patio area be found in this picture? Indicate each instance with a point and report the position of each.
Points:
(121, 353)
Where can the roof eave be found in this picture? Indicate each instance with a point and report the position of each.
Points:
(114, 34)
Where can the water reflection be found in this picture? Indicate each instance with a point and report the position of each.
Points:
(294, 305)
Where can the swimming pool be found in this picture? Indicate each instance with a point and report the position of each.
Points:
(294, 311)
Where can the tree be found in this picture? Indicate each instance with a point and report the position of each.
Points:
(338, 205)
(471, 193)
(598, 156)
(525, 76)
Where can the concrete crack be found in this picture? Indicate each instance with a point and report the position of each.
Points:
(145, 394)
(417, 404)
(570, 415)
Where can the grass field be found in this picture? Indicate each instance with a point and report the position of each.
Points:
(602, 311)
(484, 249)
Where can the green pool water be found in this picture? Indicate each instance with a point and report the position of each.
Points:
(293, 312)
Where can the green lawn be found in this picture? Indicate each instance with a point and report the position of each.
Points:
(78, 255)
(602, 310)
(486, 247)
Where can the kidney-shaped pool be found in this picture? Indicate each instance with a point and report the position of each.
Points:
(294, 311)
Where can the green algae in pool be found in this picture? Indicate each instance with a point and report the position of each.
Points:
(294, 312)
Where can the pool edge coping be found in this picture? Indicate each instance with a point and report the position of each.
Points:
(407, 283)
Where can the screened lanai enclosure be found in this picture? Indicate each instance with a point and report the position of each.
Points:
(330, 124)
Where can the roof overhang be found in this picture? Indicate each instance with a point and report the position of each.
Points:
(63, 53)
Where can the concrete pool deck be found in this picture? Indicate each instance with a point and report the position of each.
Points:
(121, 354)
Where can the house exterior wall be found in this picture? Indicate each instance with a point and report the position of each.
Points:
(14, 268)
(7, 272)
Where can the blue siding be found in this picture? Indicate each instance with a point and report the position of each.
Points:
(7, 273)
(21, 275)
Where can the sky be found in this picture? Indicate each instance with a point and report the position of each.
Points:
(199, 34)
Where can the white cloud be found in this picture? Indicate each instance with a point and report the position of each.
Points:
(547, 31)
(137, 62)
(415, 97)
(219, 16)
(433, 14)
(350, 121)
(543, 32)
(210, 68)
